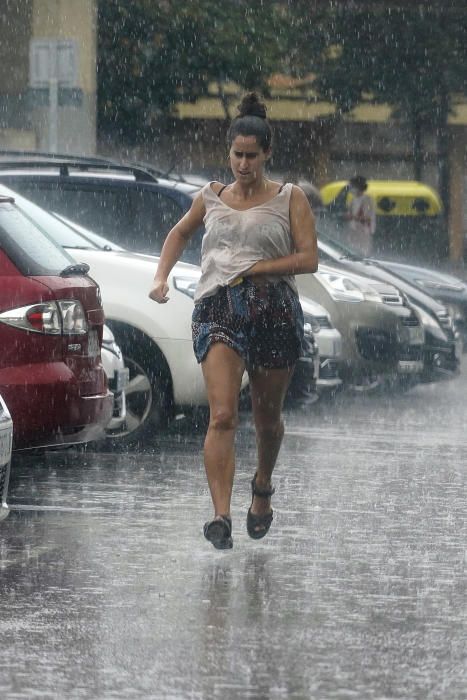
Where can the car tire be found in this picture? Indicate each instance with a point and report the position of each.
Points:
(148, 393)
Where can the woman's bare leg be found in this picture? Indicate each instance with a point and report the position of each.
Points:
(268, 390)
(222, 369)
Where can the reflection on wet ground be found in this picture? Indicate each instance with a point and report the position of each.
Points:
(108, 589)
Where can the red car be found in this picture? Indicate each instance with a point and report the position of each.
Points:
(51, 322)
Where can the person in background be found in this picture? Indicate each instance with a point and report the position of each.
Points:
(361, 216)
(247, 315)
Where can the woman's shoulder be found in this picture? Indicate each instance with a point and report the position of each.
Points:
(297, 194)
(289, 188)
(213, 187)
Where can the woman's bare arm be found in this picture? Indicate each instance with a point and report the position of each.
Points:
(174, 245)
(302, 227)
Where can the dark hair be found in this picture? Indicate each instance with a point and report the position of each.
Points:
(359, 182)
(251, 121)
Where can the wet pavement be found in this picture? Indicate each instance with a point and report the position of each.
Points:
(109, 590)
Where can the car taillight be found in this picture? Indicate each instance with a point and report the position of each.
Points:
(74, 318)
(43, 318)
(53, 318)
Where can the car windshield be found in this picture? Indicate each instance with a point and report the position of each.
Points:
(90, 236)
(58, 230)
(29, 245)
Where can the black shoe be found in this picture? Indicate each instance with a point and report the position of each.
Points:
(258, 525)
(219, 532)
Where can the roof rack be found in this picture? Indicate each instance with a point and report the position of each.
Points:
(149, 167)
(64, 163)
(27, 155)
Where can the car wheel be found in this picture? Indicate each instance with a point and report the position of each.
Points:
(148, 393)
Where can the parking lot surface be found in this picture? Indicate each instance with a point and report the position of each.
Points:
(109, 590)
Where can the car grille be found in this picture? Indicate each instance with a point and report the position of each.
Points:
(374, 344)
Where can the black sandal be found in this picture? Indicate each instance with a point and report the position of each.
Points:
(258, 525)
(219, 532)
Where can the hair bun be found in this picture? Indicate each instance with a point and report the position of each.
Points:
(251, 106)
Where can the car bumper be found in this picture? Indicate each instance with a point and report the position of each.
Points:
(329, 343)
(302, 387)
(6, 440)
(328, 378)
(117, 383)
(47, 408)
(403, 355)
(441, 361)
(375, 338)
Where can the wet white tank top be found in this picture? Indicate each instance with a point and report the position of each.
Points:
(235, 240)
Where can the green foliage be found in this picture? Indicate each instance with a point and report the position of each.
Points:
(153, 54)
(414, 57)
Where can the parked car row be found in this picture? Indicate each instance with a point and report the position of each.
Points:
(365, 324)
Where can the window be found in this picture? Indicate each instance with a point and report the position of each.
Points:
(28, 246)
(133, 216)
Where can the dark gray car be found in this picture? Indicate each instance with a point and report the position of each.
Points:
(443, 345)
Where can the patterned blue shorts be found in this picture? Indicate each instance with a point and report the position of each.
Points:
(263, 324)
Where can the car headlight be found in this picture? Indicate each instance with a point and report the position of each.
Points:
(187, 285)
(430, 324)
(343, 288)
(310, 324)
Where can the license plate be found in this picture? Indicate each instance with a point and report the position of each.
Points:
(410, 366)
(5, 447)
(93, 344)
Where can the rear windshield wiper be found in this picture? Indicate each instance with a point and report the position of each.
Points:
(75, 269)
(4, 199)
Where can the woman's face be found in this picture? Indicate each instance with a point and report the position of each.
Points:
(247, 159)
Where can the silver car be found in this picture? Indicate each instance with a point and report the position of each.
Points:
(117, 377)
(382, 337)
(329, 342)
(6, 441)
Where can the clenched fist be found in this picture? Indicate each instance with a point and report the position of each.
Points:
(159, 292)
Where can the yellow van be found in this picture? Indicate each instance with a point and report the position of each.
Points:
(409, 217)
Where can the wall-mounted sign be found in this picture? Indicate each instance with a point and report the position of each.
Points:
(53, 59)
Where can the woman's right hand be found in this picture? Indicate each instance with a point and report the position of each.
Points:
(159, 291)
